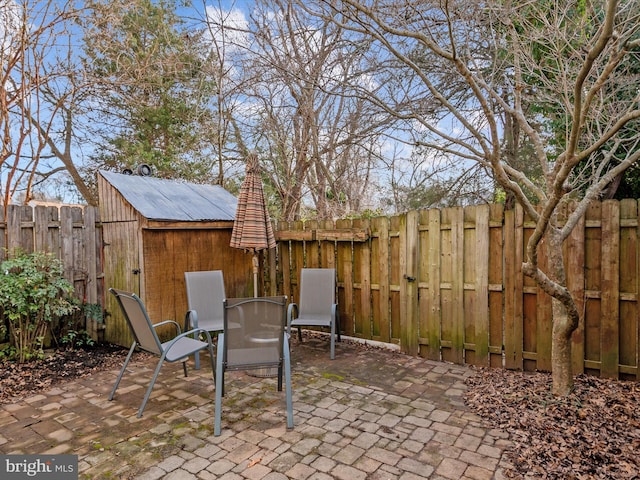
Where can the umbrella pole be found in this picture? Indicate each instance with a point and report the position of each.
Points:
(255, 275)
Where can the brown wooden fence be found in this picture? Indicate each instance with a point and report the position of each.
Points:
(73, 234)
(448, 284)
(444, 284)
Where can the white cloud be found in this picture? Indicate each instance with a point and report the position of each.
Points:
(9, 25)
(228, 30)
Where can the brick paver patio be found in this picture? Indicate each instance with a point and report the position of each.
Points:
(368, 414)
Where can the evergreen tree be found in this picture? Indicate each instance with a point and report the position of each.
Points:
(153, 87)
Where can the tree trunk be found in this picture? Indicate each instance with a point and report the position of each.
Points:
(564, 316)
(562, 374)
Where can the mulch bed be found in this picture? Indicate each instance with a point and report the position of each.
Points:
(593, 433)
(20, 380)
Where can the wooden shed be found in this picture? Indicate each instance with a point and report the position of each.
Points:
(154, 230)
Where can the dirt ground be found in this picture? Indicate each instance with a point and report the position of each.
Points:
(594, 433)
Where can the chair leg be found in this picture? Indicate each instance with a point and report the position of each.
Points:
(153, 381)
(279, 378)
(196, 361)
(197, 356)
(333, 340)
(213, 363)
(287, 379)
(184, 365)
(188, 326)
(124, 367)
(219, 385)
(299, 333)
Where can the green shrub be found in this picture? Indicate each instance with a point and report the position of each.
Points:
(33, 293)
(70, 332)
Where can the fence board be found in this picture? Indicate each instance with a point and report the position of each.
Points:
(452, 284)
(423, 282)
(395, 276)
(457, 244)
(628, 288)
(284, 252)
(574, 253)
(68, 245)
(496, 285)
(312, 249)
(380, 277)
(469, 280)
(345, 281)
(610, 288)
(592, 271)
(297, 260)
(328, 247)
(15, 218)
(543, 314)
(362, 283)
(408, 284)
(481, 325)
(435, 307)
(42, 216)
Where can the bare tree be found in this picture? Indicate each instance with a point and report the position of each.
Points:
(33, 36)
(225, 42)
(318, 140)
(547, 67)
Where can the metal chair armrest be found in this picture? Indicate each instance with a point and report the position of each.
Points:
(166, 322)
(292, 306)
(186, 334)
(191, 320)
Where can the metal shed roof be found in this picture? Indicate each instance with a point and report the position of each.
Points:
(171, 200)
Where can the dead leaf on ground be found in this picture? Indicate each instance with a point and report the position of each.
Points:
(593, 433)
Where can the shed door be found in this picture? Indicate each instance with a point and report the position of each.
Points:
(121, 270)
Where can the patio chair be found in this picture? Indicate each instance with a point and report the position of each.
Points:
(259, 343)
(317, 306)
(205, 294)
(144, 333)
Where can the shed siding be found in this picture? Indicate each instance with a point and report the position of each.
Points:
(169, 253)
(113, 207)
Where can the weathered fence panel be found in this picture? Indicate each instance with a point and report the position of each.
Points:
(73, 234)
(448, 284)
(443, 284)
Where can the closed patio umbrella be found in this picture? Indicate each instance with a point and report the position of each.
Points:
(252, 230)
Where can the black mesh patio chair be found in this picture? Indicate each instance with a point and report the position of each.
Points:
(259, 343)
